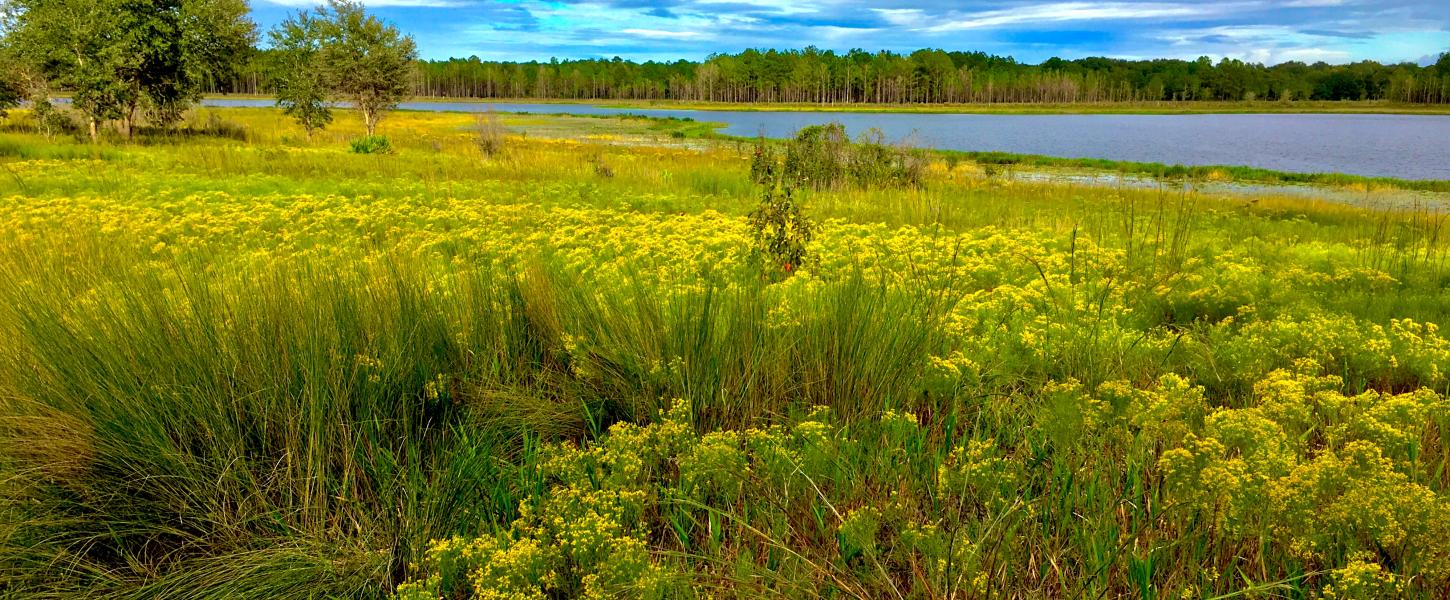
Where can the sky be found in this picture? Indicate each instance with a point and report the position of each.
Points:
(1261, 31)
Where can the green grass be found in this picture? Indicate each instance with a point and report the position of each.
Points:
(266, 366)
(1210, 173)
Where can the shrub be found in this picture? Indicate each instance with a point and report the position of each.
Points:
(764, 163)
(490, 137)
(781, 230)
(874, 162)
(50, 120)
(372, 144)
(824, 157)
(601, 168)
(818, 156)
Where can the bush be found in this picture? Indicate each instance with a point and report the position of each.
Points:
(372, 144)
(824, 157)
(764, 163)
(491, 134)
(601, 168)
(818, 156)
(50, 120)
(873, 162)
(782, 231)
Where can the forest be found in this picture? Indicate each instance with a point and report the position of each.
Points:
(924, 76)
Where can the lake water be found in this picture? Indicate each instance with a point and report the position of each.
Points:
(1403, 146)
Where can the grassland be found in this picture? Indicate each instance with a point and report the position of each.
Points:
(243, 363)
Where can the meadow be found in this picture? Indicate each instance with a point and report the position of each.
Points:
(239, 362)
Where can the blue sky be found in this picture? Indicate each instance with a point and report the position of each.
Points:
(1266, 31)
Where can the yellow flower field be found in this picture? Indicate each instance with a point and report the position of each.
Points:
(262, 365)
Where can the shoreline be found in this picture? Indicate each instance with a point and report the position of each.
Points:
(710, 130)
(1104, 108)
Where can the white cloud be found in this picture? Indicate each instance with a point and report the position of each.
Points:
(1266, 31)
(901, 17)
(1080, 11)
(1272, 56)
(375, 3)
(784, 7)
(666, 35)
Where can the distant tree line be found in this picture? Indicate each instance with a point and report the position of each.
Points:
(924, 76)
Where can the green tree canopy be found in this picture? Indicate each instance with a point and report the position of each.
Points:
(342, 52)
(295, 73)
(119, 56)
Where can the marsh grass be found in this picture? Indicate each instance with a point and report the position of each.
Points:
(491, 134)
(275, 368)
(192, 434)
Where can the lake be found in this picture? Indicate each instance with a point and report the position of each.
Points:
(1402, 146)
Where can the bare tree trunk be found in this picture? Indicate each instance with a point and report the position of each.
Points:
(131, 121)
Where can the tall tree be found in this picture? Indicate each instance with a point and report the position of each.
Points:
(295, 71)
(365, 60)
(12, 87)
(217, 39)
(115, 55)
(78, 46)
(812, 75)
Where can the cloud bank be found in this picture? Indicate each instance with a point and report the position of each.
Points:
(1264, 31)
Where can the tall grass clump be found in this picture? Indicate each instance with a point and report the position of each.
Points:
(288, 428)
(372, 144)
(490, 134)
(195, 432)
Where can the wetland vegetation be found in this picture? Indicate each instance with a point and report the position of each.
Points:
(263, 352)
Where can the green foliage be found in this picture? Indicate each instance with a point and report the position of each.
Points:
(70, 40)
(372, 144)
(340, 51)
(782, 231)
(764, 163)
(818, 157)
(816, 76)
(50, 120)
(12, 90)
(280, 369)
(365, 60)
(823, 157)
(171, 50)
(297, 77)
